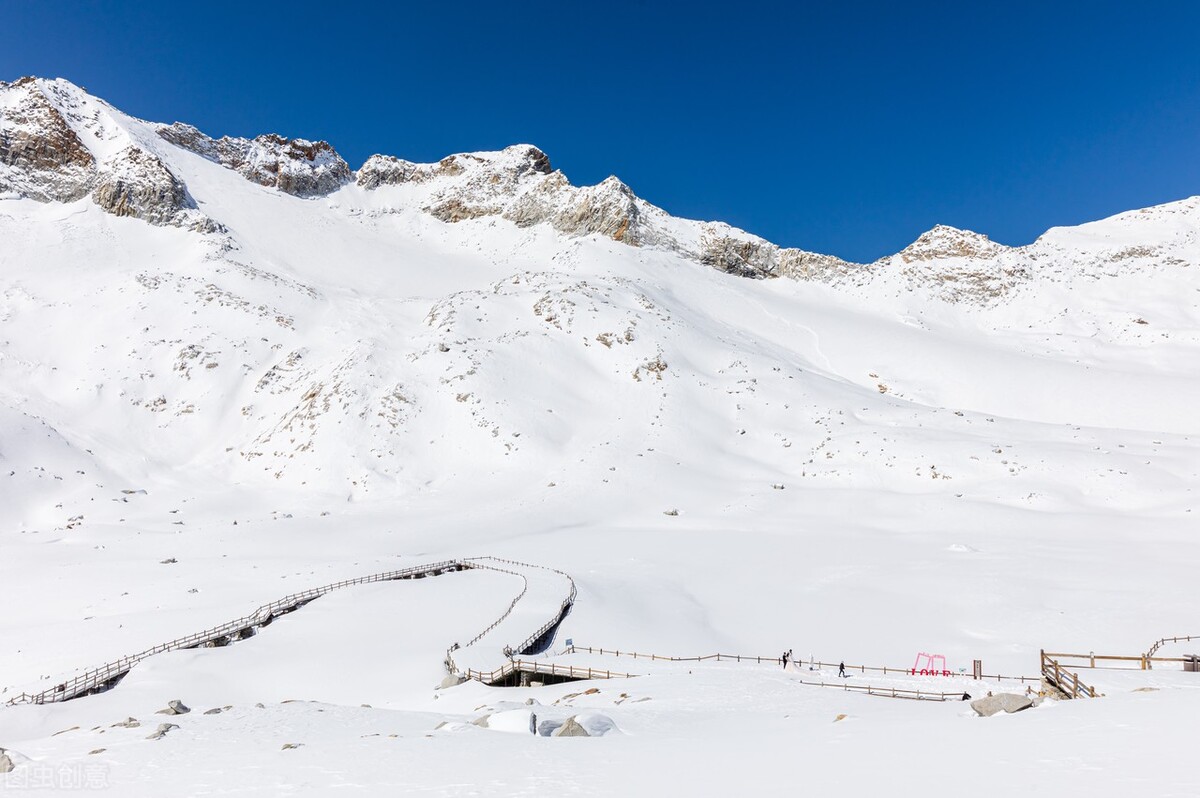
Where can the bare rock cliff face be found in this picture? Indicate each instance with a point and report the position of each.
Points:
(59, 144)
(44, 158)
(517, 184)
(736, 252)
(41, 157)
(294, 166)
(136, 183)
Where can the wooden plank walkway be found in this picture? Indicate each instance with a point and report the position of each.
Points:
(491, 644)
(106, 676)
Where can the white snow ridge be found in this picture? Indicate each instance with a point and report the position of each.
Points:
(386, 474)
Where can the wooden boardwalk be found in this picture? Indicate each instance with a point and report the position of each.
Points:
(491, 645)
(104, 677)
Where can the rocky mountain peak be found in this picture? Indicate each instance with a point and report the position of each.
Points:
(41, 156)
(503, 169)
(57, 144)
(944, 241)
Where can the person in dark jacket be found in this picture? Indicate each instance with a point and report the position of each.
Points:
(784, 657)
(842, 670)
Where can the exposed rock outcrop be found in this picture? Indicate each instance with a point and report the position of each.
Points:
(518, 184)
(41, 157)
(136, 183)
(294, 166)
(43, 126)
(944, 242)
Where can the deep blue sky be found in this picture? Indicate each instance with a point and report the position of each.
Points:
(840, 127)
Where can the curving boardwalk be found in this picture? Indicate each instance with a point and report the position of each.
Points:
(530, 620)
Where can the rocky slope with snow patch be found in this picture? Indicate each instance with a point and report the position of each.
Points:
(57, 144)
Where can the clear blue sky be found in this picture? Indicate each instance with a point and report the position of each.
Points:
(840, 127)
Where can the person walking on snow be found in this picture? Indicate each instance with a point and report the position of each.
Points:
(784, 657)
(842, 670)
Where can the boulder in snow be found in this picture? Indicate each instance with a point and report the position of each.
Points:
(10, 760)
(1000, 702)
(571, 728)
(174, 707)
(161, 731)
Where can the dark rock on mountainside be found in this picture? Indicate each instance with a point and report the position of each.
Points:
(294, 166)
(47, 161)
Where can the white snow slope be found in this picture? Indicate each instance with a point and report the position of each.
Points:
(278, 373)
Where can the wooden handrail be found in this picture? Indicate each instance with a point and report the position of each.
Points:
(1066, 681)
(751, 658)
(564, 608)
(94, 679)
(1164, 640)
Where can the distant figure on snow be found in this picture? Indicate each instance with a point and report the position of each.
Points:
(842, 670)
(784, 657)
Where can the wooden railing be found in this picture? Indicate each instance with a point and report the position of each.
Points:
(98, 678)
(750, 658)
(545, 668)
(1093, 661)
(887, 692)
(104, 676)
(451, 665)
(563, 609)
(1164, 640)
(1064, 680)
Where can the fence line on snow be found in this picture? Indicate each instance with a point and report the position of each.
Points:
(1164, 640)
(750, 658)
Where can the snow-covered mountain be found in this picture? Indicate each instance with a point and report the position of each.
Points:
(255, 309)
(966, 443)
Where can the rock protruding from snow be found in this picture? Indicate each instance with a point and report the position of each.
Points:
(570, 728)
(959, 266)
(1000, 702)
(174, 707)
(736, 252)
(6, 762)
(944, 242)
(161, 731)
(493, 173)
(453, 680)
(516, 184)
(136, 183)
(294, 166)
(41, 157)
